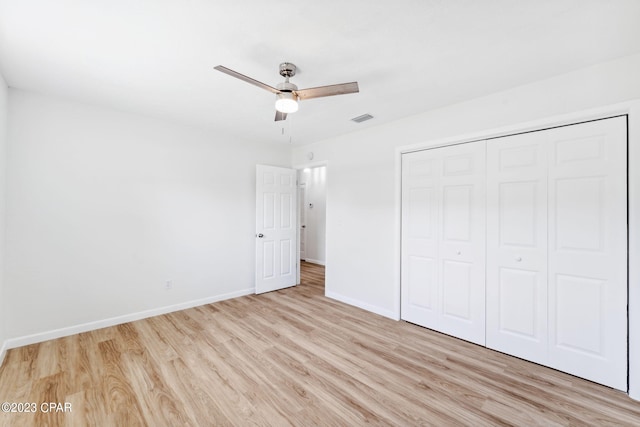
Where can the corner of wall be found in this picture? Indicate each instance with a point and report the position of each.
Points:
(634, 250)
(4, 102)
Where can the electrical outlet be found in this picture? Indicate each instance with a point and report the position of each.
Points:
(168, 284)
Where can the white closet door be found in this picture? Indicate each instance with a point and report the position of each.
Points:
(461, 241)
(443, 245)
(517, 246)
(419, 267)
(588, 251)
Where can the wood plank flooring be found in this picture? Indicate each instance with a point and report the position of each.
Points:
(292, 357)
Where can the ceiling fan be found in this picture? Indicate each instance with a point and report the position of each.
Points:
(288, 94)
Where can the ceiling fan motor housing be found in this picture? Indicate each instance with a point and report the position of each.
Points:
(286, 87)
(287, 69)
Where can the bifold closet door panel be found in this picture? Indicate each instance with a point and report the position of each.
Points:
(517, 246)
(588, 250)
(461, 241)
(443, 240)
(548, 210)
(419, 266)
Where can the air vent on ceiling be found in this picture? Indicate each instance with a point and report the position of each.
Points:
(362, 118)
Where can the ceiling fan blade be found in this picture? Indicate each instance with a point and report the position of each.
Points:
(246, 79)
(280, 116)
(331, 90)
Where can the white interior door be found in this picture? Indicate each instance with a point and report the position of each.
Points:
(517, 246)
(276, 228)
(588, 251)
(443, 240)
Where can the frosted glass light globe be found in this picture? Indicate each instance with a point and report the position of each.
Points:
(286, 102)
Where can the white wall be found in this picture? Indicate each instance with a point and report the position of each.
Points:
(4, 96)
(363, 189)
(105, 207)
(315, 217)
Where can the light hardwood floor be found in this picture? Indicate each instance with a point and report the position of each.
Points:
(292, 357)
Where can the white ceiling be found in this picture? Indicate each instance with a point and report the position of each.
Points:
(156, 57)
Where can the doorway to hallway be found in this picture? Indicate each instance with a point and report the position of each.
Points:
(312, 195)
(312, 225)
(312, 277)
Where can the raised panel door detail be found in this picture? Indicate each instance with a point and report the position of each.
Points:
(268, 178)
(579, 314)
(456, 285)
(269, 260)
(269, 209)
(456, 212)
(286, 249)
(579, 213)
(286, 210)
(419, 168)
(580, 149)
(518, 157)
(286, 180)
(420, 214)
(458, 165)
(517, 215)
(422, 273)
(519, 311)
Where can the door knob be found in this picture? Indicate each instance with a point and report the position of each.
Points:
(519, 258)
(260, 236)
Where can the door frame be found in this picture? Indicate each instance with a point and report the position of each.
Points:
(632, 110)
(302, 199)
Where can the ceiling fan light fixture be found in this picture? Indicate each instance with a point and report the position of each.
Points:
(286, 102)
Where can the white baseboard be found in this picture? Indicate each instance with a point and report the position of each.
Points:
(363, 305)
(314, 261)
(3, 352)
(99, 324)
